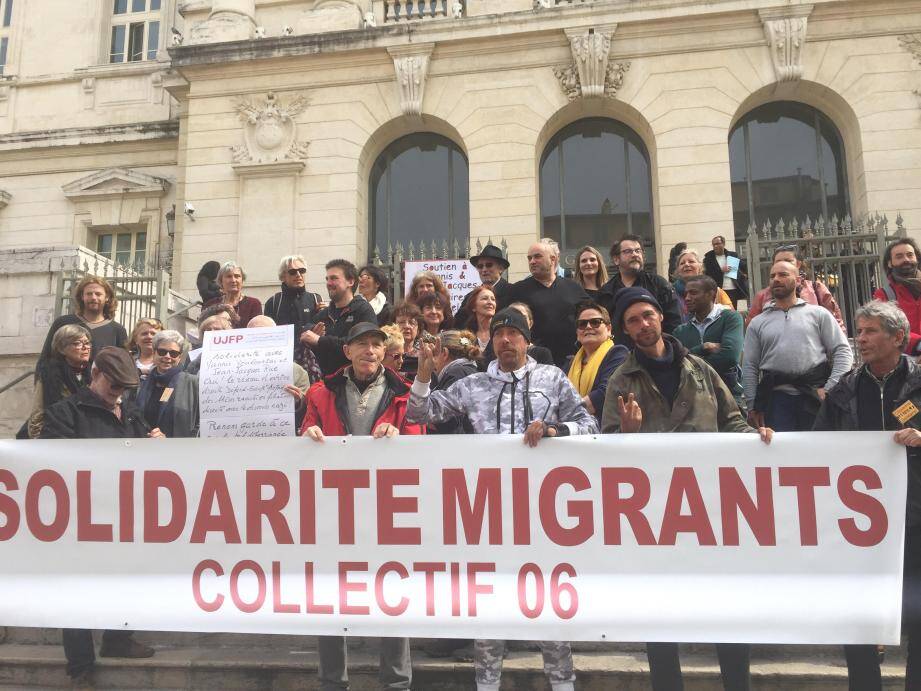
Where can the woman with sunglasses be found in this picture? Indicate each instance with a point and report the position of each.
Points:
(597, 357)
(140, 344)
(294, 304)
(168, 398)
(373, 285)
(62, 374)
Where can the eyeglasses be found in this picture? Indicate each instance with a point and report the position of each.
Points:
(82, 345)
(163, 352)
(594, 322)
(632, 250)
(294, 272)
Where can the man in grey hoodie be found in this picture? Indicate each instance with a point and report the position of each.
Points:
(515, 395)
(794, 352)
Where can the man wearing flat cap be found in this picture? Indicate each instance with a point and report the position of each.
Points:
(515, 395)
(367, 399)
(661, 387)
(99, 411)
(490, 263)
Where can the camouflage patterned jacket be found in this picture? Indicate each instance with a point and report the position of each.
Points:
(498, 402)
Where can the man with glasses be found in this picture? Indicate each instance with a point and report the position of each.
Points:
(294, 304)
(717, 267)
(491, 265)
(100, 411)
(627, 256)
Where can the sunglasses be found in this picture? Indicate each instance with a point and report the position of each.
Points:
(294, 272)
(594, 322)
(485, 265)
(396, 356)
(163, 352)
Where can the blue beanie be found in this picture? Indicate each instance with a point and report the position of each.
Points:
(630, 296)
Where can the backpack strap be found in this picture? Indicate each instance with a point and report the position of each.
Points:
(890, 293)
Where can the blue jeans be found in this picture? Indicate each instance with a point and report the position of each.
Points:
(787, 413)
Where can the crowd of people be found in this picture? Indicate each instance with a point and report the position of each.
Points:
(546, 356)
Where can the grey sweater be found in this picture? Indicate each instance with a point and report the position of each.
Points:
(793, 342)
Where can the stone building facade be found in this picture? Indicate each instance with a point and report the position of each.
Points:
(329, 127)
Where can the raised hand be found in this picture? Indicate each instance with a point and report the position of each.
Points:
(631, 415)
(426, 362)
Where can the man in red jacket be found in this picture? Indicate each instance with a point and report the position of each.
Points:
(363, 398)
(903, 286)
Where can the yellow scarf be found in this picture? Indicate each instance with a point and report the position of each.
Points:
(583, 376)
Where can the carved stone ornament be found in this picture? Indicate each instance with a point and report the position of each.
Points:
(785, 31)
(411, 65)
(912, 43)
(269, 130)
(590, 74)
(229, 20)
(5, 198)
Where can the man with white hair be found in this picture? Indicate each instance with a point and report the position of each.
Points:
(294, 304)
(552, 300)
(885, 394)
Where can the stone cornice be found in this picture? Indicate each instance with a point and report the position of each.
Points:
(81, 136)
(488, 26)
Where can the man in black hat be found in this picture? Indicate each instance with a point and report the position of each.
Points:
(99, 411)
(491, 264)
(661, 387)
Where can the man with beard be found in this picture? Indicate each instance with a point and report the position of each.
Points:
(903, 286)
(514, 395)
(627, 255)
(794, 352)
(490, 263)
(661, 387)
(345, 310)
(552, 300)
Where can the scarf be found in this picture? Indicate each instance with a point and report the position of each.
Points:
(154, 385)
(377, 302)
(583, 376)
(913, 283)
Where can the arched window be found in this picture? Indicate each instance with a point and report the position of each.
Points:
(418, 191)
(787, 162)
(595, 187)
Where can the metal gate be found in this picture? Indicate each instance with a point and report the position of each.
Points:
(845, 255)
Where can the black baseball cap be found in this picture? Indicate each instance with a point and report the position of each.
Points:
(362, 328)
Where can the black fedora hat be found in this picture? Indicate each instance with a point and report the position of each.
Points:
(490, 252)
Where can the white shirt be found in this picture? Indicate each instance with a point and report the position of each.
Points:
(701, 326)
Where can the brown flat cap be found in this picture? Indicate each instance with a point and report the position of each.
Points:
(118, 366)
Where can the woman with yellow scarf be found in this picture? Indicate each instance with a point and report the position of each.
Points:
(597, 358)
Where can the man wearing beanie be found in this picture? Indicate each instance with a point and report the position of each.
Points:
(661, 387)
(514, 396)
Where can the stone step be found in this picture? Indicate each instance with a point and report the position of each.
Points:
(283, 668)
(180, 639)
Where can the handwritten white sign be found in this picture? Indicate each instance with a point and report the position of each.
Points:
(241, 383)
(459, 276)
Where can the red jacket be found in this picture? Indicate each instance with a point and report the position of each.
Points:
(327, 406)
(911, 306)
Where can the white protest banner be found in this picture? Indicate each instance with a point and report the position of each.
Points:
(459, 276)
(241, 383)
(640, 537)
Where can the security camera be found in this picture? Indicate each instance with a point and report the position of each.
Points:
(190, 210)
